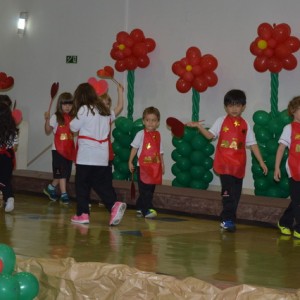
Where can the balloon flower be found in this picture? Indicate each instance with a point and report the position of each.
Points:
(274, 48)
(6, 82)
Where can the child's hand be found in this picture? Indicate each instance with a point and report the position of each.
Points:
(277, 174)
(120, 87)
(264, 167)
(194, 124)
(131, 167)
(47, 115)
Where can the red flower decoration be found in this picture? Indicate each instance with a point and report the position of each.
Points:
(273, 48)
(131, 50)
(195, 71)
(6, 82)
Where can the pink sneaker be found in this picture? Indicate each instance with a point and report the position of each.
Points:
(117, 213)
(82, 219)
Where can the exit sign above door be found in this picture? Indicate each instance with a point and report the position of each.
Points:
(71, 59)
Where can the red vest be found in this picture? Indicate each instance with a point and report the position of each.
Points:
(294, 151)
(64, 140)
(150, 160)
(230, 156)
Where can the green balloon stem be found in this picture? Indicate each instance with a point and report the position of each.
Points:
(130, 93)
(196, 104)
(274, 94)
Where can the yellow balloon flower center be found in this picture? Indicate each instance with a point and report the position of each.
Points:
(188, 68)
(121, 46)
(262, 44)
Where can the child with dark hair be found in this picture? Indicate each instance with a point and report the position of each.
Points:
(63, 147)
(8, 145)
(290, 137)
(234, 135)
(92, 122)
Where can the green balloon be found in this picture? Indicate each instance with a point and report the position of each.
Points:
(197, 157)
(175, 155)
(209, 149)
(208, 177)
(270, 161)
(257, 171)
(125, 140)
(117, 133)
(123, 168)
(124, 155)
(8, 257)
(117, 147)
(261, 184)
(189, 133)
(263, 135)
(9, 287)
(275, 126)
(117, 160)
(261, 117)
(177, 141)
(184, 149)
(176, 183)
(119, 176)
(285, 118)
(284, 184)
(257, 128)
(197, 172)
(199, 184)
(138, 124)
(123, 124)
(29, 285)
(207, 163)
(274, 192)
(175, 170)
(184, 164)
(199, 142)
(271, 146)
(184, 178)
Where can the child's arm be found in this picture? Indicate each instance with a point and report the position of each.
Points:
(120, 103)
(48, 128)
(279, 155)
(259, 158)
(202, 129)
(131, 157)
(162, 163)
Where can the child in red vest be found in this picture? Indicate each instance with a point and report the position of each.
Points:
(290, 137)
(147, 145)
(63, 147)
(234, 134)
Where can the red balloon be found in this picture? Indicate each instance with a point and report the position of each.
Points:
(150, 44)
(120, 65)
(209, 62)
(193, 52)
(183, 86)
(274, 65)
(188, 76)
(200, 84)
(122, 36)
(272, 43)
(282, 51)
(177, 68)
(139, 49)
(264, 30)
(292, 43)
(137, 35)
(268, 52)
(289, 63)
(211, 78)
(260, 64)
(255, 50)
(131, 63)
(127, 52)
(184, 62)
(143, 61)
(197, 70)
(109, 70)
(128, 41)
(117, 54)
(194, 60)
(281, 32)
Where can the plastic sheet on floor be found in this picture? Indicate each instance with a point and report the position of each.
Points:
(68, 279)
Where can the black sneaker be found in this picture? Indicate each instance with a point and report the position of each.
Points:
(52, 195)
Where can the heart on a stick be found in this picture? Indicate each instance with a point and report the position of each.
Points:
(176, 126)
(100, 86)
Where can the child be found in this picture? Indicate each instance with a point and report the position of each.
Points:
(106, 100)
(290, 138)
(63, 147)
(92, 170)
(8, 144)
(234, 135)
(147, 145)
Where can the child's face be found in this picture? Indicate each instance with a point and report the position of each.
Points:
(151, 122)
(296, 115)
(66, 108)
(235, 110)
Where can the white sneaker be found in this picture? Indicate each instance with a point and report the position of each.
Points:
(10, 204)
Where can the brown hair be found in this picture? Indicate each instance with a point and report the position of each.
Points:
(105, 97)
(62, 99)
(293, 105)
(151, 110)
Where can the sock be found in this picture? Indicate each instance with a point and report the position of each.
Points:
(51, 187)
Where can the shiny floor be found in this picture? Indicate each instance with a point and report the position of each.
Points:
(176, 245)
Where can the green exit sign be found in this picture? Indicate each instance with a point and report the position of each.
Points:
(71, 59)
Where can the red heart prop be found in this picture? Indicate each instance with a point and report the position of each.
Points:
(17, 115)
(5, 81)
(177, 127)
(109, 70)
(54, 89)
(101, 86)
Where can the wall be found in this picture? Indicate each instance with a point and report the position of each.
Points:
(87, 29)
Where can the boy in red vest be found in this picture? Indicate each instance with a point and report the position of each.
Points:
(150, 167)
(234, 134)
(290, 138)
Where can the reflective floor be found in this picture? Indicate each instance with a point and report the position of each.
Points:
(180, 246)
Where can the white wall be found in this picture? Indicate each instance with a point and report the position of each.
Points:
(88, 28)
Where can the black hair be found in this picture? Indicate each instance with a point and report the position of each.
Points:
(8, 127)
(235, 97)
(5, 99)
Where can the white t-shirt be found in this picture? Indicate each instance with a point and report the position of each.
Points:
(217, 126)
(138, 141)
(285, 139)
(53, 123)
(97, 127)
